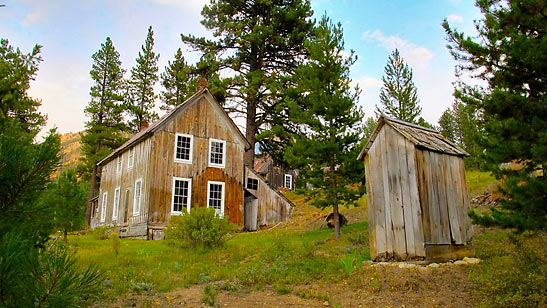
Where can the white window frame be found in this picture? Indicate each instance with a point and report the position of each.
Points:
(285, 181)
(119, 165)
(104, 206)
(131, 158)
(135, 212)
(188, 205)
(223, 153)
(116, 205)
(184, 161)
(247, 184)
(221, 214)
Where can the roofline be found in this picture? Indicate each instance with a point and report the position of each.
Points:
(272, 188)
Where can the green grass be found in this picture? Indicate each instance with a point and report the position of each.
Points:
(278, 257)
(478, 182)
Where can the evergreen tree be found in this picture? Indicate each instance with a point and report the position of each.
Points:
(510, 56)
(447, 123)
(176, 82)
(140, 93)
(259, 44)
(325, 151)
(368, 128)
(398, 94)
(68, 197)
(104, 129)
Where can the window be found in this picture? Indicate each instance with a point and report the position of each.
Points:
(252, 183)
(183, 148)
(103, 208)
(217, 150)
(288, 181)
(215, 197)
(182, 195)
(137, 199)
(131, 158)
(119, 165)
(116, 204)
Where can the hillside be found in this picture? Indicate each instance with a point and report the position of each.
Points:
(70, 151)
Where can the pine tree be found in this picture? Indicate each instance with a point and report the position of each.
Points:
(140, 93)
(368, 128)
(176, 82)
(259, 44)
(399, 94)
(329, 118)
(510, 55)
(447, 123)
(104, 129)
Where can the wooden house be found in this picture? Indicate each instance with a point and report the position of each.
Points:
(275, 175)
(416, 193)
(192, 156)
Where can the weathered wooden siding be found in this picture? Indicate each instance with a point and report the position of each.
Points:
(275, 176)
(272, 206)
(203, 120)
(111, 179)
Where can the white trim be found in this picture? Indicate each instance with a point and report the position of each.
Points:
(285, 181)
(223, 153)
(119, 165)
(135, 212)
(104, 204)
(116, 205)
(189, 204)
(131, 158)
(221, 214)
(184, 161)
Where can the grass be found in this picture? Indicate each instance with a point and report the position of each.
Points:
(478, 182)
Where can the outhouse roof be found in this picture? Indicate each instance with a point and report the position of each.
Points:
(418, 135)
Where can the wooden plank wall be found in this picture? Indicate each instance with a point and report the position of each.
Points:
(203, 120)
(110, 180)
(392, 193)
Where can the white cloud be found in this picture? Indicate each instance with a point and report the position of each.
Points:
(417, 57)
(32, 18)
(454, 18)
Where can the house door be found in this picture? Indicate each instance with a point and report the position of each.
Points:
(251, 213)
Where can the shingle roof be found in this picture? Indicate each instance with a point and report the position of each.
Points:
(156, 125)
(420, 136)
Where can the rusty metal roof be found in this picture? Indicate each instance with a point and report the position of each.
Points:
(420, 136)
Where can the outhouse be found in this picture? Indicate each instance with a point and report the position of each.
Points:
(416, 193)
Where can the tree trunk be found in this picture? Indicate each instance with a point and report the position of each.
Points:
(336, 221)
(64, 236)
(250, 129)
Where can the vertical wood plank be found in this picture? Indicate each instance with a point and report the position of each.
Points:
(387, 197)
(378, 199)
(432, 198)
(370, 209)
(419, 241)
(454, 199)
(440, 175)
(409, 223)
(423, 196)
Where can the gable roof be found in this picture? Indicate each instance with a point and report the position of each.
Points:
(418, 135)
(269, 186)
(143, 134)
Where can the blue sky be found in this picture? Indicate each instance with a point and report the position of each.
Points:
(71, 31)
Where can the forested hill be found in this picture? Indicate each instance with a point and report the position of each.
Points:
(70, 151)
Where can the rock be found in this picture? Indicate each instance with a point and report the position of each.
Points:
(326, 303)
(460, 262)
(471, 260)
(406, 265)
(434, 265)
(382, 263)
(368, 262)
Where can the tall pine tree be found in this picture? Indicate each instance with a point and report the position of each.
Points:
(140, 94)
(329, 119)
(259, 43)
(399, 94)
(176, 82)
(447, 124)
(104, 129)
(510, 56)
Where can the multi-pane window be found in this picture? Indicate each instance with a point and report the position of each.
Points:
(116, 204)
(131, 158)
(137, 199)
(119, 164)
(217, 153)
(183, 148)
(288, 181)
(182, 194)
(215, 197)
(103, 207)
(252, 183)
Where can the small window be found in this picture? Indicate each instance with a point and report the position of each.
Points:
(131, 158)
(103, 207)
(215, 197)
(183, 148)
(252, 183)
(137, 199)
(119, 165)
(217, 153)
(288, 181)
(182, 195)
(116, 204)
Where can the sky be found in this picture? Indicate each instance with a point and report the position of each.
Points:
(71, 31)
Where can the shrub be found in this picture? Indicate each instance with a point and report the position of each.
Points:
(201, 228)
(210, 294)
(101, 233)
(115, 242)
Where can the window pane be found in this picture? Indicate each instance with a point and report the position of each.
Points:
(184, 147)
(217, 153)
(215, 196)
(180, 198)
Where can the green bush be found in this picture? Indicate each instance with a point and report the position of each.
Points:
(101, 233)
(201, 228)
